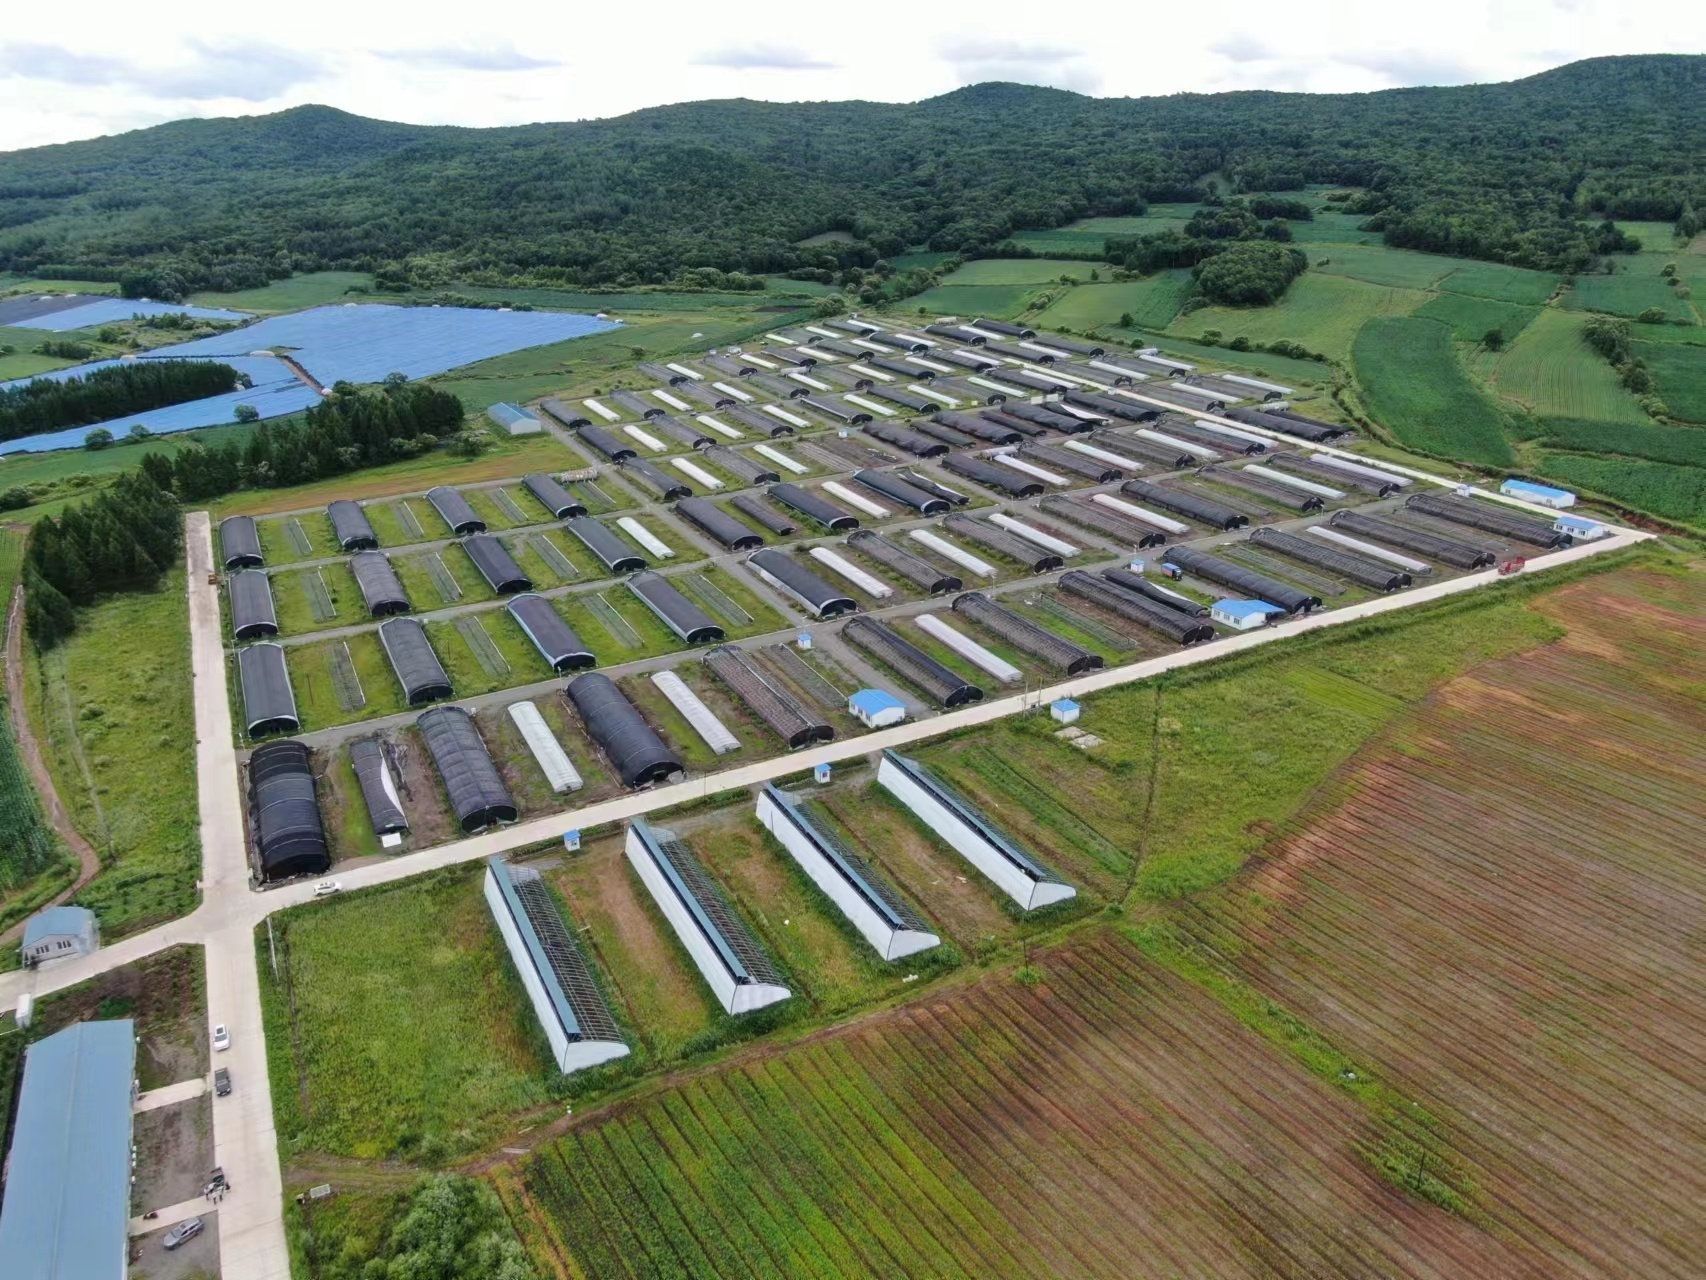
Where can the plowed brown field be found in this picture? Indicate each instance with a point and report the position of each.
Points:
(1506, 917)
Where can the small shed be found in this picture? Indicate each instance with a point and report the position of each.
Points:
(60, 933)
(876, 709)
(1544, 494)
(1243, 615)
(514, 419)
(1578, 529)
(1064, 710)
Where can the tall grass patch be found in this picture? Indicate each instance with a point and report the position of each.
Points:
(1551, 372)
(1415, 387)
(1679, 372)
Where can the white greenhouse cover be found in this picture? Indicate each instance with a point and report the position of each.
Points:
(1296, 482)
(856, 500)
(729, 390)
(874, 407)
(696, 473)
(603, 411)
(650, 441)
(1031, 469)
(1047, 541)
(1173, 442)
(1165, 523)
(967, 648)
(559, 772)
(706, 420)
(960, 556)
(701, 717)
(646, 538)
(781, 459)
(852, 572)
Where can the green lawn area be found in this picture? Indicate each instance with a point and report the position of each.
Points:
(24, 362)
(467, 675)
(1376, 264)
(294, 602)
(505, 457)
(1323, 312)
(1416, 388)
(1549, 371)
(1655, 237)
(921, 258)
(1001, 301)
(1629, 293)
(316, 694)
(279, 546)
(1020, 271)
(1679, 372)
(66, 474)
(396, 1026)
(1471, 318)
(1285, 368)
(314, 289)
(581, 365)
(1151, 303)
(1502, 283)
(112, 705)
(1332, 229)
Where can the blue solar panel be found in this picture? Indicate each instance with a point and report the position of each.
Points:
(349, 343)
(364, 342)
(99, 311)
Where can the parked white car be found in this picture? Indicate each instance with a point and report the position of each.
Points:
(327, 887)
(221, 1037)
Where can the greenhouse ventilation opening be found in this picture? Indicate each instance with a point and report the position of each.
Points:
(283, 812)
(739, 973)
(476, 789)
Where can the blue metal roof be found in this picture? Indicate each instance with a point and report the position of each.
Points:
(56, 920)
(1064, 704)
(1574, 524)
(67, 1210)
(874, 701)
(508, 414)
(1246, 608)
(1527, 488)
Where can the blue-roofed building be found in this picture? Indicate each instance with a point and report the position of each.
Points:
(1243, 615)
(1579, 528)
(876, 709)
(1544, 494)
(1064, 710)
(514, 419)
(66, 1215)
(60, 933)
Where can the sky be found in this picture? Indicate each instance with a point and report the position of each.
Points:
(107, 67)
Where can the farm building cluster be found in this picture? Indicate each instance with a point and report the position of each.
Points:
(833, 529)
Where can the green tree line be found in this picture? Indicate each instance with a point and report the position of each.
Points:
(122, 539)
(1525, 172)
(117, 391)
(349, 430)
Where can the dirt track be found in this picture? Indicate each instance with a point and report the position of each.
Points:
(88, 861)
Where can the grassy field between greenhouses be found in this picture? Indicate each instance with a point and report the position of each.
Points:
(1321, 312)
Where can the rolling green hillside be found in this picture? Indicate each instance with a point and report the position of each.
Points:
(1513, 173)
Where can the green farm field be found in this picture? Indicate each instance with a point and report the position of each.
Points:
(987, 271)
(999, 300)
(1684, 446)
(112, 706)
(1322, 312)
(1471, 319)
(1672, 492)
(1417, 389)
(1630, 292)
(1679, 373)
(1550, 371)
(1151, 303)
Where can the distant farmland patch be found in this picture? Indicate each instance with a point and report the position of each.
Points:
(1551, 372)
(1679, 372)
(1415, 387)
(1471, 318)
(1151, 303)
(1376, 264)
(1685, 446)
(987, 271)
(1323, 312)
(1506, 284)
(998, 300)
(1629, 293)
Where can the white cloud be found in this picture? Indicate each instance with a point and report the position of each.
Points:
(978, 58)
(761, 56)
(211, 71)
(463, 58)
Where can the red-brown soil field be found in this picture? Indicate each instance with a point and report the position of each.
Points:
(1506, 918)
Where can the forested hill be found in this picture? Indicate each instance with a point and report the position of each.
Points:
(1514, 172)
